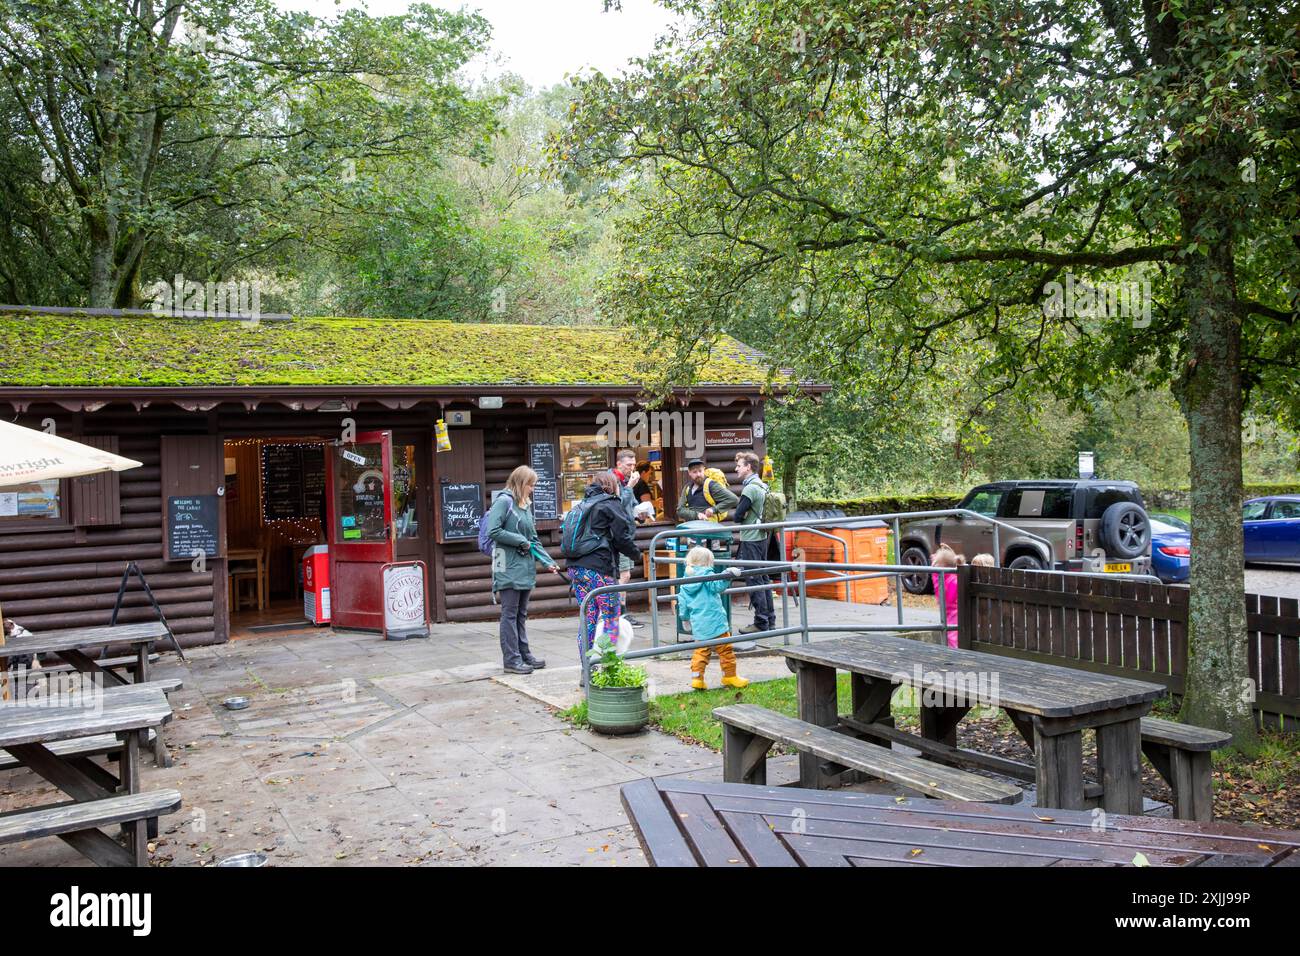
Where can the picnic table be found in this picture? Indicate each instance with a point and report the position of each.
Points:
(71, 645)
(30, 731)
(689, 823)
(1050, 706)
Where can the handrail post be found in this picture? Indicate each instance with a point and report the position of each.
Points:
(785, 589)
(803, 603)
(898, 560)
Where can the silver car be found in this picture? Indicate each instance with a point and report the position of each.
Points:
(1089, 525)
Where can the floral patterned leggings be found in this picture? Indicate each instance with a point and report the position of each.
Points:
(603, 607)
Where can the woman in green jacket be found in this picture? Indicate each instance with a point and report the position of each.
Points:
(515, 553)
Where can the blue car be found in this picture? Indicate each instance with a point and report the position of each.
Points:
(1171, 548)
(1272, 529)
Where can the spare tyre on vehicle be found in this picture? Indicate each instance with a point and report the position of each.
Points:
(1125, 530)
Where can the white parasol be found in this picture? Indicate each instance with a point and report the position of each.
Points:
(28, 456)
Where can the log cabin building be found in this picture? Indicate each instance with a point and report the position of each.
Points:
(261, 440)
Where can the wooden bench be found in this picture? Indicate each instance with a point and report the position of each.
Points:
(750, 731)
(1181, 753)
(108, 663)
(78, 825)
(101, 745)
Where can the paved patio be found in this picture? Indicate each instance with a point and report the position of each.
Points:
(361, 751)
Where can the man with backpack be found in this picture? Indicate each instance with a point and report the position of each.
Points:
(706, 496)
(592, 534)
(753, 544)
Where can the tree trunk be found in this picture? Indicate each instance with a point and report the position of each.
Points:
(1218, 692)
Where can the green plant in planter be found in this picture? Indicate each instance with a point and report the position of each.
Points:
(610, 670)
(616, 697)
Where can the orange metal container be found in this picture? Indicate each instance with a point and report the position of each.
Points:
(868, 545)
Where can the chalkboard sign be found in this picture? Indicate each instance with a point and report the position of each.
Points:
(193, 526)
(293, 481)
(462, 507)
(546, 495)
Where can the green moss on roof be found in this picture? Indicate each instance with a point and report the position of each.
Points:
(83, 350)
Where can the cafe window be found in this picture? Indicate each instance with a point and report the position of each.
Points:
(360, 504)
(34, 503)
(582, 457)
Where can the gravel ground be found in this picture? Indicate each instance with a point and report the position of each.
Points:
(1284, 582)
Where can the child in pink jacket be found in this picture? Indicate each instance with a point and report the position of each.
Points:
(945, 557)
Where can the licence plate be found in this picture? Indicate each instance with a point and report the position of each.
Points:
(1119, 568)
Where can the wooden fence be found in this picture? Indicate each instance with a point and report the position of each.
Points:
(1124, 627)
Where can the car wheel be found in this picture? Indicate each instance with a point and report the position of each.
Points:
(1125, 530)
(917, 583)
(1026, 562)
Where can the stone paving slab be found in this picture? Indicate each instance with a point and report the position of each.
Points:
(359, 752)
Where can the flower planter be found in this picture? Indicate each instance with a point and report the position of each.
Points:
(617, 710)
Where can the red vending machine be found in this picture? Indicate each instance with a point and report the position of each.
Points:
(316, 584)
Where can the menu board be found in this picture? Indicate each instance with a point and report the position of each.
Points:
(293, 481)
(546, 499)
(193, 527)
(461, 504)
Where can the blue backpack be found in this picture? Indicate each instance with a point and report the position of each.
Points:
(486, 544)
(576, 537)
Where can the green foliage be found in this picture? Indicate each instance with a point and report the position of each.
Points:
(209, 135)
(610, 670)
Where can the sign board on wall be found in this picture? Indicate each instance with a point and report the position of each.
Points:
(728, 437)
(193, 526)
(405, 613)
(546, 494)
(461, 503)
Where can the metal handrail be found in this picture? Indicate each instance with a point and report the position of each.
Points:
(814, 524)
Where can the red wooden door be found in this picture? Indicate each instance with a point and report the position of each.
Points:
(360, 489)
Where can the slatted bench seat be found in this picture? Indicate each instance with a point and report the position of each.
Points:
(1181, 753)
(749, 731)
(78, 825)
(101, 745)
(109, 663)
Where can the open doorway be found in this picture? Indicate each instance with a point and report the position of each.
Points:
(275, 512)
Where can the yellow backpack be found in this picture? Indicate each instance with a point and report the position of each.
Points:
(711, 475)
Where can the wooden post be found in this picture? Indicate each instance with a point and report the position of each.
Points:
(817, 705)
(1119, 764)
(1059, 759)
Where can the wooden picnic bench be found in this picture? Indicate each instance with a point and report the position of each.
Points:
(71, 645)
(749, 731)
(29, 732)
(1050, 706)
(689, 823)
(78, 825)
(1181, 754)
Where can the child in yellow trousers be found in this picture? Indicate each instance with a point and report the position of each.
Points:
(701, 604)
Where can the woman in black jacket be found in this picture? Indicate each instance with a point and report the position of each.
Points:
(609, 532)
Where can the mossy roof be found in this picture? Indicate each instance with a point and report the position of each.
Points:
(79, 350)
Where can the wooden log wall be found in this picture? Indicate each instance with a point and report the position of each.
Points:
(69, 577)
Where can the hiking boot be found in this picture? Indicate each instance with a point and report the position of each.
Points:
(752, 629)
(518, 669)
(536, 663)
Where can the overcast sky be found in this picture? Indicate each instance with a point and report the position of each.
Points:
(541, 40)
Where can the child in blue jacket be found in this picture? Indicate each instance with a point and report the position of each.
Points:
(701, 604)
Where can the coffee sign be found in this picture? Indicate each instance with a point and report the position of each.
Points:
(404, 609)
(728, 437)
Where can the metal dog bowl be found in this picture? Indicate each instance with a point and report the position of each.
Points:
(244, 859)
(235, 703)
